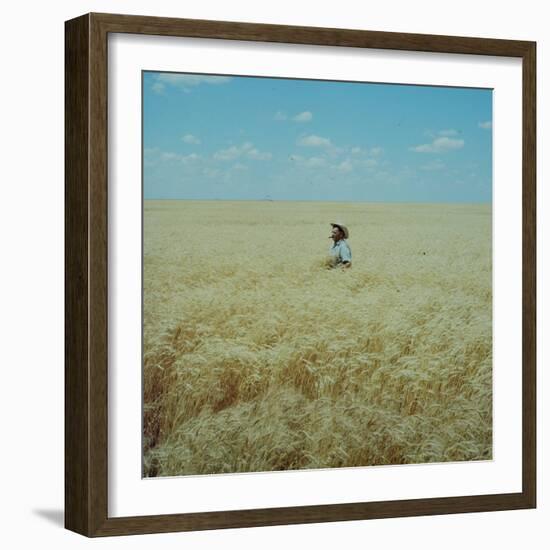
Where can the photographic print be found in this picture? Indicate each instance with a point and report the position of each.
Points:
(317, 274)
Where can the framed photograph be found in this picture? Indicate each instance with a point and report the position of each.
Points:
(300, 274)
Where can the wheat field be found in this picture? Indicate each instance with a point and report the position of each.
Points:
(256, 357)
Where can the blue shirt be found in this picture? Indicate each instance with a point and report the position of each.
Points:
(341, 252)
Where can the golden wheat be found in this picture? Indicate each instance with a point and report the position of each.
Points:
(258, 358)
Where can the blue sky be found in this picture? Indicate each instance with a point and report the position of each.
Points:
(250, 138)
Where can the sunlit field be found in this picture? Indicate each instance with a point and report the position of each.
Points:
(259, 358)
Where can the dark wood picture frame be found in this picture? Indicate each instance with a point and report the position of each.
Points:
(86, 284)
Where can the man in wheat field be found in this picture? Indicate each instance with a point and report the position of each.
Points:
(340, 252)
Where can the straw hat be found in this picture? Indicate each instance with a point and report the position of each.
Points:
(343, 228)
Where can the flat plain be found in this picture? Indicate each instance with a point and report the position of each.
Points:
(256, 357)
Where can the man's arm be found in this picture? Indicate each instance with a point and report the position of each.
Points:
(345, 255)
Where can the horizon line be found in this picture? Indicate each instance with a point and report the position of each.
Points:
(310, 200)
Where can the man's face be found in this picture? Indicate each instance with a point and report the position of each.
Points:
(336, 234)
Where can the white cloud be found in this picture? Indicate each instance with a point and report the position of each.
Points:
(255, 154)
(439, 145)
(185, 82)
(150, 156)
(212, 172)
(314, 141)
(487, 125)
(229, 153)
(373, 152)
(345, 166)
(153, 156)
(371, 162)
(190, 138)
(311, 162)
(158, 87)
(296, 158)
(306, 116)
(434, 165)
(314, 162)
(246, 150)
(449, 133)
(168, 156)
